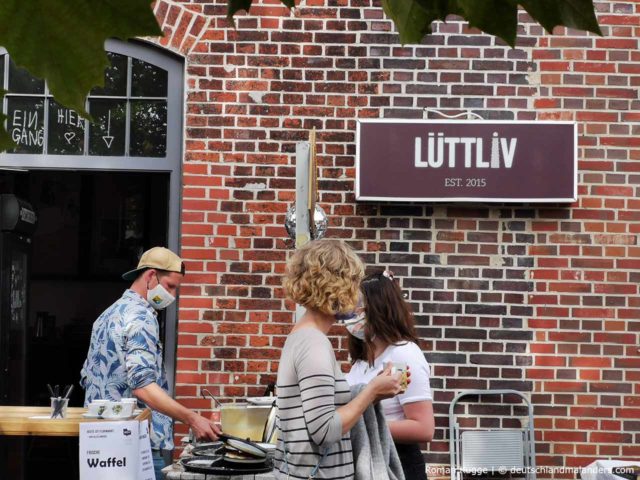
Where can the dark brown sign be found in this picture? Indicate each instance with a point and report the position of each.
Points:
(453, 160)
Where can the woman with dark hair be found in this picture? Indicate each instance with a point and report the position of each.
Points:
(383, 331)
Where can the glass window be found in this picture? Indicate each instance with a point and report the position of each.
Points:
(130, 113)
(147, 80)
(115, 77)
(148, 127)
(107, 132)
(21, 81)
(25, 123)
(66, 130)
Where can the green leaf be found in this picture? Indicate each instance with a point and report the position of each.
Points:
(234, 6)
(413, 18)
(578, 14)
(496, 17)
(62, 41)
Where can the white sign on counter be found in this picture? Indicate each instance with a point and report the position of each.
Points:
(119, 450)
(145, 462)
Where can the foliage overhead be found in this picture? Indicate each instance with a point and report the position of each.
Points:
(62, 41)
(413, 18)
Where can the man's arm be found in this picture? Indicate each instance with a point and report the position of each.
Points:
(157, 399)
(142, 354)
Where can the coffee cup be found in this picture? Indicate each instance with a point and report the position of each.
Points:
(115, 410)
(401, 367)
(96, 407)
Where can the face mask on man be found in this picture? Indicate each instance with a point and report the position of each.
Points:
(158, 297)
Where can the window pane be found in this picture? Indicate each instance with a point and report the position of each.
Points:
(147, 80)
(25, 123)
(21, 81)
(148, 128)
(115, 77)
(66, 130)
(107, 133)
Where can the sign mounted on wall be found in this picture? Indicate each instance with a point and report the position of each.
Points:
(466, 161)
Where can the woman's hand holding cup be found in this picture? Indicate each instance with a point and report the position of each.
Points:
(387, 384)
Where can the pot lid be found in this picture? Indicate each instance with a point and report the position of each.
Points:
(270, 425)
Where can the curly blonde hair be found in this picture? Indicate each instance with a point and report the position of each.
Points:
(324, 275)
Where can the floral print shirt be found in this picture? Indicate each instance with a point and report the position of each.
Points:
(125, 354)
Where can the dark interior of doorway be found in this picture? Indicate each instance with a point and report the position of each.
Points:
(92, 227)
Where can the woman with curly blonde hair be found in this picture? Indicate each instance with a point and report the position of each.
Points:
(314, 402)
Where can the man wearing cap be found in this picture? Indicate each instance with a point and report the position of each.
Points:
(125, 355)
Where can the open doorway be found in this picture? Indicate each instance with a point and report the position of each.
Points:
(92, 227)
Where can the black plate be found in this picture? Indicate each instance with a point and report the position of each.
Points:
(219, 466)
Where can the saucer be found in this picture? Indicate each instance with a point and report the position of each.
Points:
(135, 413)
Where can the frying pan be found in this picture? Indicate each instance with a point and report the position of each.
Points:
(218, 465)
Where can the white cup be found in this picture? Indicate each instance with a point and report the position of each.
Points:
(401, 368)
(96, 407)
(115, 410)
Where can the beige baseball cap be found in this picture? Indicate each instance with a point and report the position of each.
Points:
(159, 258)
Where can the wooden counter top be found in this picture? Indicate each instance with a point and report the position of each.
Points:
(17, 421)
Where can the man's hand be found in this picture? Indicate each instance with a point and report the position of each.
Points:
(156, 398)
(204, 429)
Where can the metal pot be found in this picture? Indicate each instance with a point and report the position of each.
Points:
(244, 420)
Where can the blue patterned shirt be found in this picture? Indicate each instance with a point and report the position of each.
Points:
(126, 354)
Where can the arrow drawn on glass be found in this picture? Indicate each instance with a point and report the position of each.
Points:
(108, 138)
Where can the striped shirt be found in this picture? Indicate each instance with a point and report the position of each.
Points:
(311, 387)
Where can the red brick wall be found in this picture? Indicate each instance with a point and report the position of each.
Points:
(539, 298)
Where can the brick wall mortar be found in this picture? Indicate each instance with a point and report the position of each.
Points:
(541, 298)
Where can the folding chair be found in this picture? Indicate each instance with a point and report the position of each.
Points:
(491, 451)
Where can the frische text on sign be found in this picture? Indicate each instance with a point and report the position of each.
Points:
(465, 160)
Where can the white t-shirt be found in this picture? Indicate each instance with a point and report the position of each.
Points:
(419, 388)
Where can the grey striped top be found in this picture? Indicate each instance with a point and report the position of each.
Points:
(310, 388)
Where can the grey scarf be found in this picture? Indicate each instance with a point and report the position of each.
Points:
(374, 453)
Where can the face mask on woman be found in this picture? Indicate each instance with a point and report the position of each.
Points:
(355, 325)
(355, 320)
(158, 297)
